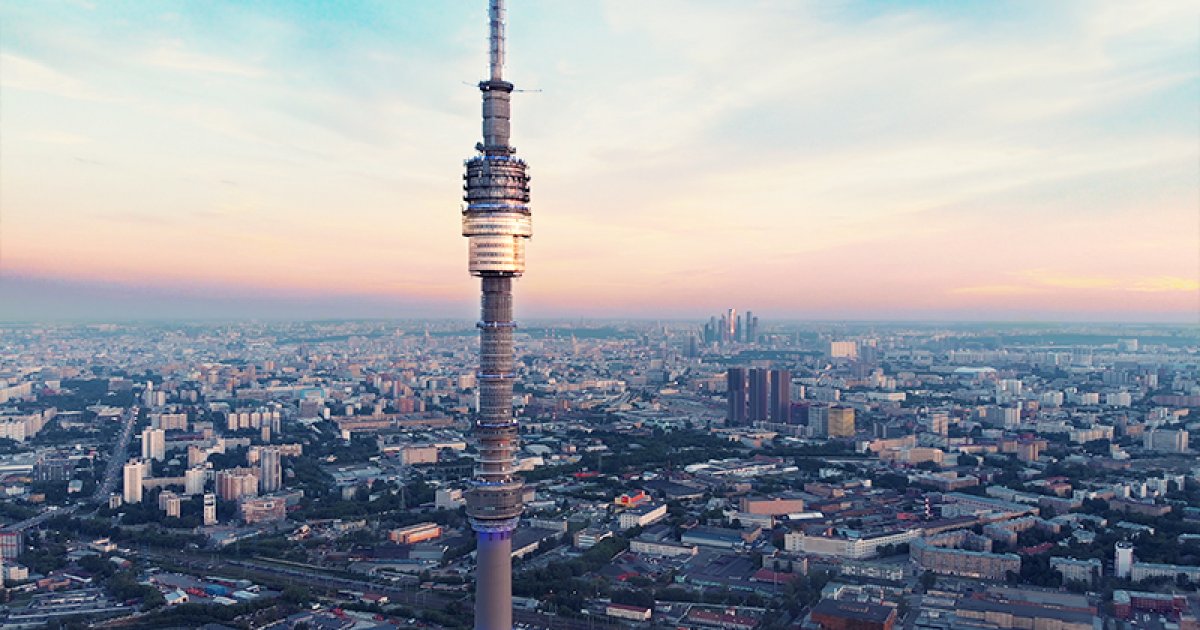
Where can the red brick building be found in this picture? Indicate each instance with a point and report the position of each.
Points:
(832, 614)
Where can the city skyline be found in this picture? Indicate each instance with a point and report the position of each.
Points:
(925, 162)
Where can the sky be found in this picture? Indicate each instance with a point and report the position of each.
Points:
(804, 160)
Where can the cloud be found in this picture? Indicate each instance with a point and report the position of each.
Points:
(21, 73)
(1040, 281)
(1045, 278)
(60, 137)
(1165, 284)
(175, 57)
(997, 290)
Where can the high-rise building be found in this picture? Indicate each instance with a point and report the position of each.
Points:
(235, 483)
(841, 422)
(12, 544)
(53, 467)
(210, 509)
(169, 421)
(818, 420)
(750, 328)
(843, 349)
(256, 419)
(196, 455)
(149, 395)
(1166, 440)
(1123, 560)
(193, 480)
(735, 396)
(781, 396)
(497, 222)
(154, 444)
(270, 470)
(760, 395)
(169, 502)
(939, 423)
(1005, 417)
(135, 472)
(1029, 450)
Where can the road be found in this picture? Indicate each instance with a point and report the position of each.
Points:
(116, 461)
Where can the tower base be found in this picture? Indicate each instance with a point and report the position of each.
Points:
(493, 587)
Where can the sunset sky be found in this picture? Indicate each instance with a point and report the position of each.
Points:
(824, 160)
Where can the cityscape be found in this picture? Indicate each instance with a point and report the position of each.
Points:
(812, 475)
(260, 438)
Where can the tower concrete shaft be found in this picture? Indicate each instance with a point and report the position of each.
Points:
(496, 220)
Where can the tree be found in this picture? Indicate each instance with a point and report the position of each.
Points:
(928, 579)
(891, 481)
(1077, 586)
(638, 597)
(152, 599)
(298, 595)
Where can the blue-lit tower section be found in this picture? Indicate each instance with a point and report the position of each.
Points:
(496, 222)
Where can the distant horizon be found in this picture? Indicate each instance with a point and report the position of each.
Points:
(110, 298)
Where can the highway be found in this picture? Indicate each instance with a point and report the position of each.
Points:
(116, 461)
(543, 621)
(267, 571)
(34, 521)
(404, 595)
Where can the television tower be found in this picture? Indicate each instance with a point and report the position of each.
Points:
(496, 221)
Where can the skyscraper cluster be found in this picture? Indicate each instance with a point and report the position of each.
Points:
(730, 327)
(758, 395)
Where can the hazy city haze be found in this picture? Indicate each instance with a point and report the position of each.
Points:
(830, 160)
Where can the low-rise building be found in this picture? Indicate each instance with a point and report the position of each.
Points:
(772, 506)
(589, 537)
(941, 554)
(415, 533)
(832, 614)
(832, 542)
(1127, 603)
(263, 509)
(718, 537)
(1072, 570)
(628, 612)
(642, 515)
(1147, 570)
